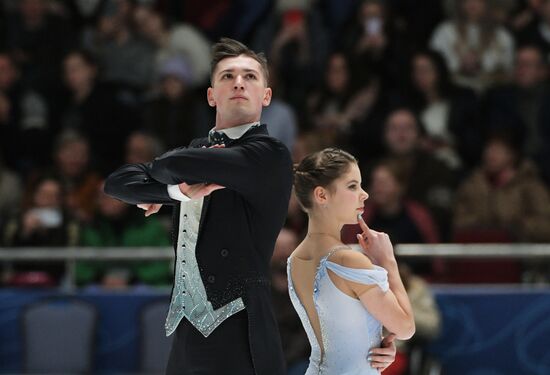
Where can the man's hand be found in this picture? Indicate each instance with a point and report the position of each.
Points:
(381, 358)
(197, 191)
(150, 208)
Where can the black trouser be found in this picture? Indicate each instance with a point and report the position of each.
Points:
(225, 352)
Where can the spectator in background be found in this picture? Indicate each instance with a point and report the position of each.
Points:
(374, 45)
(478, 51)
(523, 107)
(180, 40)
(125, 59)
(296, 42)
(389, 210)
(10, 194)
(427, 319)
(116, 224)
(448, 112)
(340, 101)
(296, 219)
(504, 195)
(93, 110)
(79, 180)
(280, 117)
(293, 336)
(25, 135)
(38, 39)
(537, 31)
(177, 115)
(43, 222)
(428, 180)
(216, 18)
(142, 147)
(84, 16)
(307, 143)
(417, 19)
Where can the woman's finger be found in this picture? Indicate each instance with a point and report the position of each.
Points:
(390, 352)
(362, 241)
(380, 359)
(364, 227)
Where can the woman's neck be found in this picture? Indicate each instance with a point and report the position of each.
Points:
(321, 228)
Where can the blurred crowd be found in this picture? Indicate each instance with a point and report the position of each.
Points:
(446, 105)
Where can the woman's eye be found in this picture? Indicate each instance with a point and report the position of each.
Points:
(353, 187)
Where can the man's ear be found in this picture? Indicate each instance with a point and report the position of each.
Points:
(267, 96)
(210, 97)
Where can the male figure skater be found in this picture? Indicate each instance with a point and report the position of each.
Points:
(230, 202)
(230, 194)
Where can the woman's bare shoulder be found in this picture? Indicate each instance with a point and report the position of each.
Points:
(351, 259)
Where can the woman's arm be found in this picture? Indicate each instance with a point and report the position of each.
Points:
(392, 308)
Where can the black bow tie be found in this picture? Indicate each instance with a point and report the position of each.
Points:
(217, 138)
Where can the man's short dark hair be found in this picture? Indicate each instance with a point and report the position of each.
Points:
(228, 47)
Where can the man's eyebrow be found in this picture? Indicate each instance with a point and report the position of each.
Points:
(231, 70)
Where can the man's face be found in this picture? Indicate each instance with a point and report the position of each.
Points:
(239, 91)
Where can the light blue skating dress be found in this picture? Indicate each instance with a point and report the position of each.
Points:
(348, 330)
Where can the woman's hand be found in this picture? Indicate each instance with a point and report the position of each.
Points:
(376, 245)
(381, 358)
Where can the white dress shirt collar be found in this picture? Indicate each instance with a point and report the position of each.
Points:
(237, 132)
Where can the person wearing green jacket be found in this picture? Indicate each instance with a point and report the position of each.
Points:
(116, 224)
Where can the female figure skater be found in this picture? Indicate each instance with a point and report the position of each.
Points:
(343, 296)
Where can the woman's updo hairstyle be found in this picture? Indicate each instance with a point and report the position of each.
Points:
(320, 168)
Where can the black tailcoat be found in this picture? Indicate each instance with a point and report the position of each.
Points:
(238, 225)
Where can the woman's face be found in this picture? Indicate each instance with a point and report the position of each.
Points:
(385, 189)
(337, 74)
(424, 74)
(346, 197)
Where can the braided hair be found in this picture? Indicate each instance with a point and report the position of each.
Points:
(320, 168)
